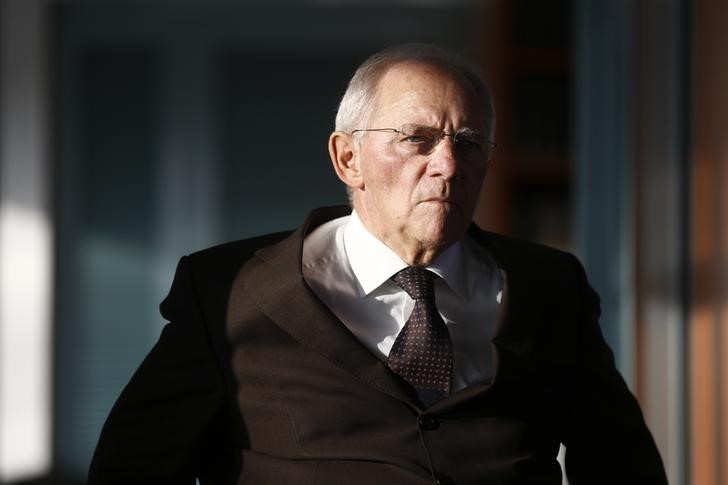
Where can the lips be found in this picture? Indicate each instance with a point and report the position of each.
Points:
(441, 200)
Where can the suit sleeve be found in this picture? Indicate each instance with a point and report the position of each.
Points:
(164, 425)
(607, 440)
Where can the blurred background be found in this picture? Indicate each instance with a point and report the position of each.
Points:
(134, 132)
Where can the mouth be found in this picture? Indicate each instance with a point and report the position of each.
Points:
(440, 200)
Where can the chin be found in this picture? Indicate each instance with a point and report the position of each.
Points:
(443, 233)
(439, 223)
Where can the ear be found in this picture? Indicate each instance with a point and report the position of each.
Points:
(344, 153)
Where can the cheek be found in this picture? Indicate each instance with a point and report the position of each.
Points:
(378, 169)
(474, 181)
(390, 180)
(382, 184)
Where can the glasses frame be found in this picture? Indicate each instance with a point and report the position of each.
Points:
(453, 136)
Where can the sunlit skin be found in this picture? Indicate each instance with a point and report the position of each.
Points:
(420, 205)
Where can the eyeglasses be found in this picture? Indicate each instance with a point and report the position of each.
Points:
(421, 140)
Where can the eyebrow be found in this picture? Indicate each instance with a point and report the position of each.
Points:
(464, 129)
(469, 131)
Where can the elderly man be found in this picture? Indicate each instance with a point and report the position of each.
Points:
(396, 343)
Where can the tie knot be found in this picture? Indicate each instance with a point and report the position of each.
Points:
(416, 282)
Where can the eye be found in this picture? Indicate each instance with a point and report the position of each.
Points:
(417, 135)
(416, 139)
(468, 143)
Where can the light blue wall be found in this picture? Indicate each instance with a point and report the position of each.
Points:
(632, 177)
(603, 162)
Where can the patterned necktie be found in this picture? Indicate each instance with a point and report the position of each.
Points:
(422, 352)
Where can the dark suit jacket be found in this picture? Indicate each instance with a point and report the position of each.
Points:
(255, 381)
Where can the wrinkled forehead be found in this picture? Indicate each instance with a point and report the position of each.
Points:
(419, 84)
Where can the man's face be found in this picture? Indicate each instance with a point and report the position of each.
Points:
(419, 197)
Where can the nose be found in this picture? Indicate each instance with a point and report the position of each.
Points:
(443, 159)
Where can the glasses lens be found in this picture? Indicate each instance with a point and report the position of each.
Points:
(419, 135)
(412, 140)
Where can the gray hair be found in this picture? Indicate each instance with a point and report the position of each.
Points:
(357, 105)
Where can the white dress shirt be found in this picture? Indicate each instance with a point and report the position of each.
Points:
(349, 269)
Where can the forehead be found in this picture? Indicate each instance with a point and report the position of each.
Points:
(429, 94)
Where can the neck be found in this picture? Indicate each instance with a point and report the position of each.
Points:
(412, 251)
(419, 256)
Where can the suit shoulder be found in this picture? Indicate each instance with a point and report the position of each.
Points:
(210, 272)
(240, 250)
(514, 245)
(527, 257)
(223, 261)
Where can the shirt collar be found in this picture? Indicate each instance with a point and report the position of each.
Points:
(450, 266)
(373, 262)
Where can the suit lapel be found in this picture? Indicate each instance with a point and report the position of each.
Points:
(512, 335)
(512, 340)
(275, 282)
